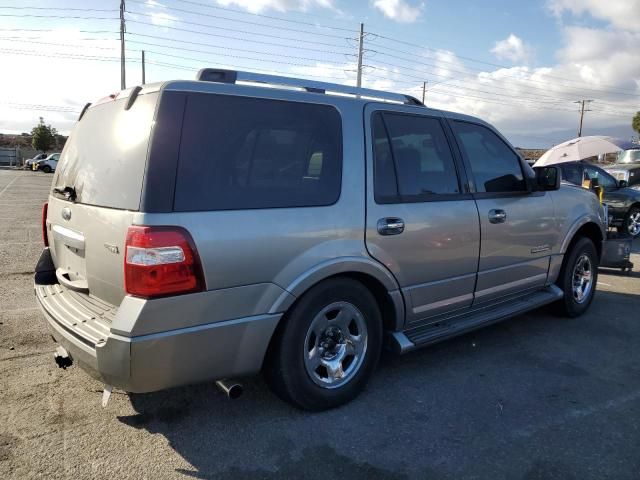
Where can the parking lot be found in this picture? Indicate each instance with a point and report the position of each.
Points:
(537, 397)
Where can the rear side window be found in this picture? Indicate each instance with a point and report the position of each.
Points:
(412, 158)
(496, 167)
(572, 173)
(245, 153)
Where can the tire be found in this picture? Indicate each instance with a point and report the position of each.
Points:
(576, 302)
(330, 317)
(631, 225)
(46, 169)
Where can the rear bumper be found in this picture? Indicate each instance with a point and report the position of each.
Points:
(156, 361)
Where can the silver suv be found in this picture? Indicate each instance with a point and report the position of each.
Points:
(212, 229)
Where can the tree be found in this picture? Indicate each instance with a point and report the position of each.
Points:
(635, 124)
(44, 136)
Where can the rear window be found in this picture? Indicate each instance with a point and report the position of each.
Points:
(246, 153)
(104, 158)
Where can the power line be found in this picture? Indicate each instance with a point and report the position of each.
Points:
(279, 27)
(542, 82)
(470, 59)
(68, 9)
(195, 50)
(169, 39)
(65, 17)
(53, 30)
(271, 17)
(204, 25)
(510, 78)
(296, 40)
(53, 108)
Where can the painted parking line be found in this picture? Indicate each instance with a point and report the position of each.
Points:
(8, 185)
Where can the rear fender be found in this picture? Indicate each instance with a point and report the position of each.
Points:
(338, 266)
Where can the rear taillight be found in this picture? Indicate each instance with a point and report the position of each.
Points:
(45, 239)
(161, 261)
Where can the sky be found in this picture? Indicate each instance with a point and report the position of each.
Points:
(518, 65)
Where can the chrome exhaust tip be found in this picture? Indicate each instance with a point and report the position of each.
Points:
(232, 389)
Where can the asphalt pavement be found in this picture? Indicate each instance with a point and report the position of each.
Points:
(536, 397)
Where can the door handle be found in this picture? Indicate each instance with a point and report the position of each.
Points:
(497, 216)
(390, 226)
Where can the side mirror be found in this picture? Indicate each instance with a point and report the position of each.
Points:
(548, 178)
(623, 184)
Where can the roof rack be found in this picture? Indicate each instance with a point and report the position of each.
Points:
(235, 76)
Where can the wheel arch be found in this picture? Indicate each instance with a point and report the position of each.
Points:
(372, 275)
(584, 227)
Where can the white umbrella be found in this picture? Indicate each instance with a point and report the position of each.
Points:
(581, 148)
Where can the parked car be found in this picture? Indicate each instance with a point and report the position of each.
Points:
(231, 228)
(29, 162)
(623, 202)
(626, 167)
(47, 165)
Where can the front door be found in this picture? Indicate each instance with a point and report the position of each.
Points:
(419, 223)
(517, 226)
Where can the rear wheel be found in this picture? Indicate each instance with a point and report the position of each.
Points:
(578, 278)
(327, 347)
(46, 169)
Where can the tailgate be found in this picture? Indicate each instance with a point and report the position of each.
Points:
(87, 247)
(96, 193)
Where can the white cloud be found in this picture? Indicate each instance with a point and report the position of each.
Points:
(511, 48)
(620, 13)
(256, 6)
(399, 10)
(162, 19)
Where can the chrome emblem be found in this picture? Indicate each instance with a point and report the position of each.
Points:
(112, 248)
(66, 213)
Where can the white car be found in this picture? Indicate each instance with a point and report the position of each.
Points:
(47, 165)
(28, 164)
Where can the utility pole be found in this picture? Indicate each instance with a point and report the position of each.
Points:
(360, 51)
(424, 90)
(123, 81)
(582, 110)
(143, 75)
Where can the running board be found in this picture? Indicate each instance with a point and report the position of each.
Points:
(421, 335)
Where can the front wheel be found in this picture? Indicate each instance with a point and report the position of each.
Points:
(46, 169)
(327, 347)
(631, 223)
(578, 278)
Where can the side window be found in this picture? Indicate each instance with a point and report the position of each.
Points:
(412, 158)
(572, 173)
(384, 173)
(605, 180)
(496, 167)
(242, 153)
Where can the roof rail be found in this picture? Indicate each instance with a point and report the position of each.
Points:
(234, 76)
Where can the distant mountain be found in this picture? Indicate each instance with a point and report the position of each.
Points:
(533, 140)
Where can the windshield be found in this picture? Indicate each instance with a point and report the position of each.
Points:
(628, 156)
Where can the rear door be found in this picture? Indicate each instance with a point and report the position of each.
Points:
(420, 223)
(517, 227)
(96, 193)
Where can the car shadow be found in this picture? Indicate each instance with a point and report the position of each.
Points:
(447, 411)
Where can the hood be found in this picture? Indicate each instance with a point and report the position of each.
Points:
(621, 166)
(632, 192)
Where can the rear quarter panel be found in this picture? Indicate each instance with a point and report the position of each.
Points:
(282, 245)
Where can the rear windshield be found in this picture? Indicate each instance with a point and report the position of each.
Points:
(628, 156)
(104, 158)
(244, 153)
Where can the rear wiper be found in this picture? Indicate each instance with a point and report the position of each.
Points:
(67, 192)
